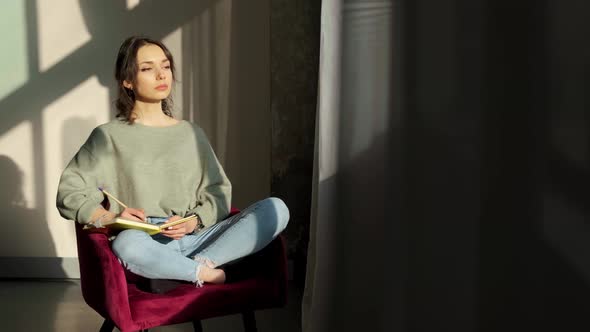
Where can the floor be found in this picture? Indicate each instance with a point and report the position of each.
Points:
(57, 305)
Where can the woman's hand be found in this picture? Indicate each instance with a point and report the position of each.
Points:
(133, 214)
(178, 231)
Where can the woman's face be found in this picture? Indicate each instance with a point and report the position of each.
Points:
(154, 77)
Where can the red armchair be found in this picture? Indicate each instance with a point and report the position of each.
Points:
(259, 281)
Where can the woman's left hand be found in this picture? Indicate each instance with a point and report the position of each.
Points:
(178, 231)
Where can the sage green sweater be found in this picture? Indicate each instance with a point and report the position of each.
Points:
(164, 170)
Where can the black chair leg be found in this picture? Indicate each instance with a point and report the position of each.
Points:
(249, 320)
(107, 326)
(197, 326)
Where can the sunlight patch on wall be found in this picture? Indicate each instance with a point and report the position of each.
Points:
(17, 145)
(13, 33)
(59, 37)
(132, 4)
(67, 123)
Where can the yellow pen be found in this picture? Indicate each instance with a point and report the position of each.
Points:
(113, 197)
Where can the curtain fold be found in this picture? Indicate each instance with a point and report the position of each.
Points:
(207, 40)
(226, 90)
(325, 164)
(349, 283)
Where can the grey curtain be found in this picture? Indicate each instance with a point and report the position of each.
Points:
(352, 238)
(467, 211)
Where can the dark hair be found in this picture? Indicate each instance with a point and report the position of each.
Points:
(126, 70)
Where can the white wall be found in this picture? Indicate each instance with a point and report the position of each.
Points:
(57, 62)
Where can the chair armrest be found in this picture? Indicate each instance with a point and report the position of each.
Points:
(103, 282)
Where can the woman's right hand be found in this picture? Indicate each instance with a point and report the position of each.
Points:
(133, 214)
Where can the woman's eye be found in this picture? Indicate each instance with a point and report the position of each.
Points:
(146, 69)
(167, 67)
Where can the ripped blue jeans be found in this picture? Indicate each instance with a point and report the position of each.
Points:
(160, 257)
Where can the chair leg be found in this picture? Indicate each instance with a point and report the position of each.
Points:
(249, 320)
(107, 326)
(197, 326)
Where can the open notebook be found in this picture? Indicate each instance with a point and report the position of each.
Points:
(119, 224)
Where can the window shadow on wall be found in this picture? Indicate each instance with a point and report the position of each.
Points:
(28, 234)
(109, 22)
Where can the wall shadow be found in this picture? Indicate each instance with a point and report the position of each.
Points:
(28, 236)
(74, 127)
(29, 233)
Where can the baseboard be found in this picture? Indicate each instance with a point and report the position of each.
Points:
(40, 267)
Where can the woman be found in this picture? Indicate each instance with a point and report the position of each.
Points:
(163, 169)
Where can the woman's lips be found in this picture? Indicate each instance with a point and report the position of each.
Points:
(162, 87)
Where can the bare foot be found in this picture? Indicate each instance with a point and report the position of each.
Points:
(213, 276)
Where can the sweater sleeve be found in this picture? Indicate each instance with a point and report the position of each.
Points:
(78, 195)
(214, 191)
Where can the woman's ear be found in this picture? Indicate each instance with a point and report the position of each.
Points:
(127, 85)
